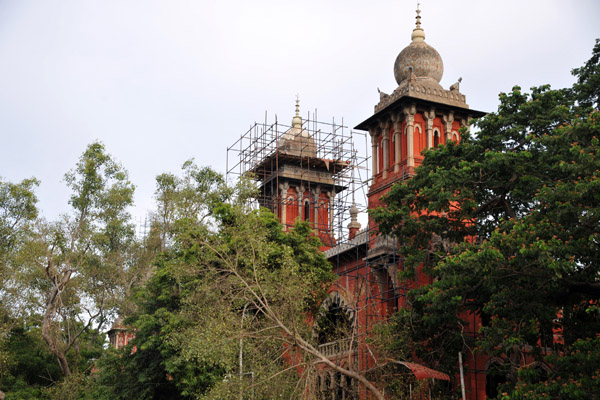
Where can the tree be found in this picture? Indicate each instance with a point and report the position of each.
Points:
(70, 271)
(189, 199)
(17, 212)
(508, 223)
(184, 204)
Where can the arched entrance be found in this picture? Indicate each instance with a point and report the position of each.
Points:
(334, 333)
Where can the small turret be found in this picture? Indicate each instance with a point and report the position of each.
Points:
(354, 225)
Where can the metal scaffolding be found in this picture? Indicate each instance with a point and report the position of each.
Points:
(257, 152)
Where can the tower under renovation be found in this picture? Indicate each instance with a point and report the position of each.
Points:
(309, 171)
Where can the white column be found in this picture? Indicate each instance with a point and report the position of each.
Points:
(301, 190)
(465, 122)
(374, 139)
(448, 120)
(409, 114)
(283, 190)
(331, 196)
(385, 129)
(397, 125)
(429, 116)
(316, 193)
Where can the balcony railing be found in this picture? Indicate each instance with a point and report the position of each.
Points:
(335, 348)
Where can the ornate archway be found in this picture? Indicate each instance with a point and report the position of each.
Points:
(334, 320)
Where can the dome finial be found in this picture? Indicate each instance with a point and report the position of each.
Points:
(418, 34)
(297, 120)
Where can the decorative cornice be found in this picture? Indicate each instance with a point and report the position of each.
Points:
(361, 238)
(423, 89)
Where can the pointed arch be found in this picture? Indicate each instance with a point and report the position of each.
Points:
(334, 320)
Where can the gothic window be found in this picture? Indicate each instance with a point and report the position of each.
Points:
(334, 323)
(335, 386)
(436, 138)
(318, 387)
(417, 140)
(495, 376)
(307, 210)
(333, 331)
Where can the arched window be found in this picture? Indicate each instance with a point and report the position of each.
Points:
(339, 386)
(307, 210)
(419, 140)
(319, 388)
(333, 330)
(436, 138)
(495, 376)
(334, 321)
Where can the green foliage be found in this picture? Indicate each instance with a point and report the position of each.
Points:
(575, 375)
(63, 279)
(72, 387)
(506, 221)
(17, 210)
(31, 366)
(187, 200)
(222, 263)
(585, 90)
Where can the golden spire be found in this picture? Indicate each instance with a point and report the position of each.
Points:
(297, 120)
(418, 34)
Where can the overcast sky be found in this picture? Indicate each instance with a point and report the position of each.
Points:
(160, 82)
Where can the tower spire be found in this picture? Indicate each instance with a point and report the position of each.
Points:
(418, 34)
(297, 120)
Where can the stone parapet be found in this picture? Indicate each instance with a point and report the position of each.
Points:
(425, 89)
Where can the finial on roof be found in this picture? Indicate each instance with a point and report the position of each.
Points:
(354, 225)
(297, 120)
(418, 34)
(354, 217)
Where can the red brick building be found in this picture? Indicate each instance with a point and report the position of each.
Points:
(303, 176)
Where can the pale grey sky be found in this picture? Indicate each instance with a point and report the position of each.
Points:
(159, 82)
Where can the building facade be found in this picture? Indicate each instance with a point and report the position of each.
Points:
(418, 115)
(310, 171)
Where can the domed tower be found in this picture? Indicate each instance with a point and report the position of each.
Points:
(418, 115)
(298, 183)
(120, 335)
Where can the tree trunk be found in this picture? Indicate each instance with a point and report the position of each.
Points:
(48, 334)
(54, 347)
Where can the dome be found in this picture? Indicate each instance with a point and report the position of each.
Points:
(423, 59)
(296, 140)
